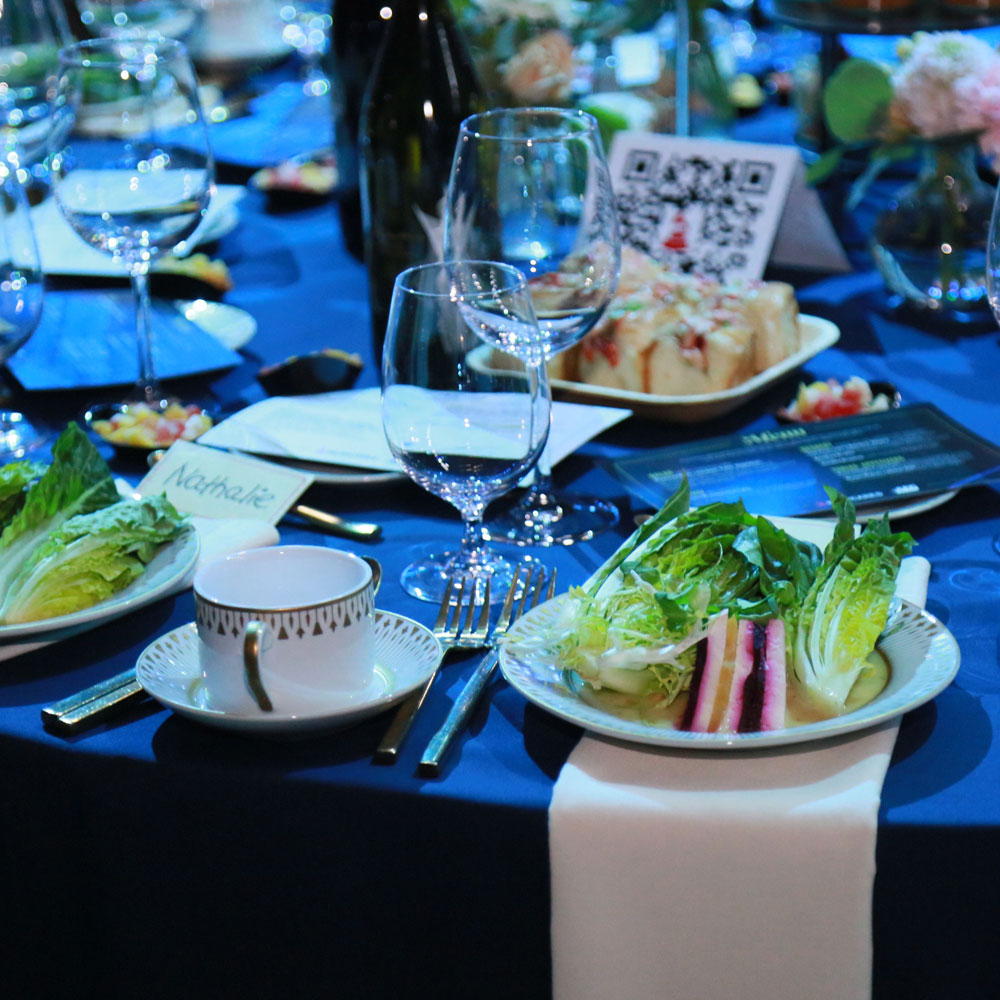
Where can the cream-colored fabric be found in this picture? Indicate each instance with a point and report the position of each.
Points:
(716, 875)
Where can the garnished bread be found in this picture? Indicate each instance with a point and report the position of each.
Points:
(677, 335)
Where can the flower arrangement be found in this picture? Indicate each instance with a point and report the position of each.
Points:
(941, 99)
(946, 85)
(526, 51)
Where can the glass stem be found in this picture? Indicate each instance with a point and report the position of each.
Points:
(541, 497)
(147, 389)
(473, 545)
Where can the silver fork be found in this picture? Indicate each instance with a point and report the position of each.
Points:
(531, 594)
(458, 626)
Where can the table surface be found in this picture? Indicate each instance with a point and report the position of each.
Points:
(151, 852)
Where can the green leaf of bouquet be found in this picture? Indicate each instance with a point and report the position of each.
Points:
(881, 157)
(856, 100)
(824, 166)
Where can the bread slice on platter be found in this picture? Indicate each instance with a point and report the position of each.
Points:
(667, 334)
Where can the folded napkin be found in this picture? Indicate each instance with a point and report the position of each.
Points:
(719, 874)
(218, 536)
(345, 428)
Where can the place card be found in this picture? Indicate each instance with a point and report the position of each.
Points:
(873, 458)
(720, 208)
(213, 483)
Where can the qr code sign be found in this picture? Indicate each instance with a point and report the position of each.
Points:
(701, 207)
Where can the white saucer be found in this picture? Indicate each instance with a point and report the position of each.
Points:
(406, 654)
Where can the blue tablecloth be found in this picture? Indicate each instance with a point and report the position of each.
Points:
(156, 857)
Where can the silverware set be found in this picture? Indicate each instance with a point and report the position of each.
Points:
(463, 623)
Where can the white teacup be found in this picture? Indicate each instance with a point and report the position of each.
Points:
(286, 628)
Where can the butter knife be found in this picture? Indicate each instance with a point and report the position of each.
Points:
(97, 700)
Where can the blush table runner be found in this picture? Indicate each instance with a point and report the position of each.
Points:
(719, 874)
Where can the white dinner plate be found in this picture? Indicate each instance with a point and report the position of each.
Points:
(336, 475)
(167, 569)
(817, 335)
(406, 654)
(923, 657)
(897, 508)
(226, 54)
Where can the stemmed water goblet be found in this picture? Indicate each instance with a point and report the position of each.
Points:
(21, 293)
(531, 187)
(31, 34)
(463, 427)
(132, 169)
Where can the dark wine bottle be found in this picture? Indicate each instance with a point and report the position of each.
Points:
(422, 86)
(355, 36)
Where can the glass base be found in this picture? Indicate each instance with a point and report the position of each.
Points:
(427, 576)
(18, 436)
(552, 521)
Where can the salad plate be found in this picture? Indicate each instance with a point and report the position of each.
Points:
(167, 570)
(817, 335)
(922, 654)
(406, 654)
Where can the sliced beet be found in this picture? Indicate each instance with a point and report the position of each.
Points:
(709, 656)
(757, 693)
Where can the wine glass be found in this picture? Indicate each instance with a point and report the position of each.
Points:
(21, 292)
(531, 187)
(462, 426)
(307, 30)
(31, 34)
(133, 172)
(137, 18)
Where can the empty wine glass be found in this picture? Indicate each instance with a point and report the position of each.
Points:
(133, 171)
(531, 187)
(136, 18)
(31, 34)
(21, 292)
(461, 426)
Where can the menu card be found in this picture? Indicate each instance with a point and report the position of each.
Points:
(872, 458)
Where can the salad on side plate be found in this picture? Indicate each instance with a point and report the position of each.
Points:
(67, 538)
(720, 621)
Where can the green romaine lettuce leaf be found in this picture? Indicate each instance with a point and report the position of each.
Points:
(77, 482)
(846, 608)
(89, 558)
(14, 479)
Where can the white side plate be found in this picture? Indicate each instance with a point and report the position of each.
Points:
(167, 571)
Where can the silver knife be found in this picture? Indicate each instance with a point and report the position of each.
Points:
(430, 763)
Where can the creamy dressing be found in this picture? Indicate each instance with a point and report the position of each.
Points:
(651, 710)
